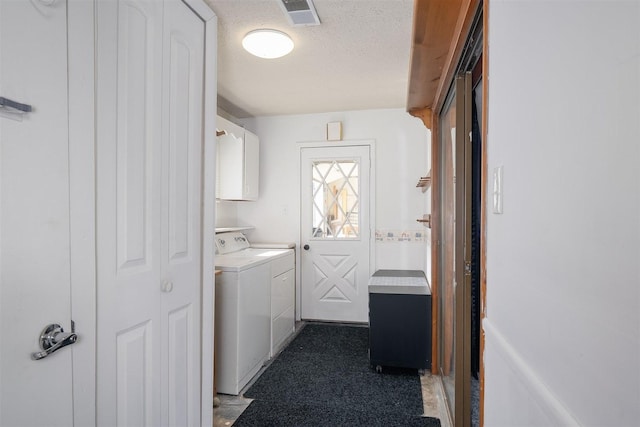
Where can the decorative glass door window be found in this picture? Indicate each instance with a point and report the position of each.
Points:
(336, 190)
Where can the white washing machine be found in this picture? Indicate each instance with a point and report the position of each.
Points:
(244, 314)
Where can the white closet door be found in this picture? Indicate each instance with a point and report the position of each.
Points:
(129, 207)
(181, 215)
(149, 181)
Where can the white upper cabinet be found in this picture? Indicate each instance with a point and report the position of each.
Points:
(238, 162)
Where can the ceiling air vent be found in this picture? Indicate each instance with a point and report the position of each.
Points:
(300, 12)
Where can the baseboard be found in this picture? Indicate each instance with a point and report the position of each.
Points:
(535, 388)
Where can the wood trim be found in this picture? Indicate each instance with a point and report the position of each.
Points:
(435, 238)
(434, 23)
(483, 197)
(458, 40)
(440, 30)
(424, 114)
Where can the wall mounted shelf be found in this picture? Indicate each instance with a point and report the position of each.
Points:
(234, 228)
(424, 181)
(425, 220)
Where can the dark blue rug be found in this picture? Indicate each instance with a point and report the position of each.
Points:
(323, 378)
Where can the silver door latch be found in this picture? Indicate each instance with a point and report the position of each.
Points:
(53, 338)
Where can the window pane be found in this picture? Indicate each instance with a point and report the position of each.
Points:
(335, 199)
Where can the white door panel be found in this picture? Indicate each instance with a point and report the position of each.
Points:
(150, 86)
(335, 226)
(182, 136)
(129, 64)
(35, 265)
(148, 180)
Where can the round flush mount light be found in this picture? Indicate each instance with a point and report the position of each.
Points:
(267, 44)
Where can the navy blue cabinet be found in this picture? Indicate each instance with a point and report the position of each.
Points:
(399, 319)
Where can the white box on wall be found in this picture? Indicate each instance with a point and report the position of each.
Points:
(334, 131)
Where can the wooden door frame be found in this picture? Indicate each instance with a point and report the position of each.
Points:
(440, 32)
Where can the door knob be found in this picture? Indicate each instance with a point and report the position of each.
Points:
(167, 286)
(52, 339)
(306, 247)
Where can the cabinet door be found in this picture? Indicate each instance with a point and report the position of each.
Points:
(251, 166)
(282, 293)
(282, 309)
(230, 167)
(254, 320)
(223, 124)
(238, 160)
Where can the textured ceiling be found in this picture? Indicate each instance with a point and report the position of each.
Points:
(357, 58)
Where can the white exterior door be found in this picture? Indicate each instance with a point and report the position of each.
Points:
(35, 261)
(335, 235)
(149, 153)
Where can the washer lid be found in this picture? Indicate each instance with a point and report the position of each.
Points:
(231, 242)
(236, 264)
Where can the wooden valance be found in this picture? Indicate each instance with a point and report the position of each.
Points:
(439, 29)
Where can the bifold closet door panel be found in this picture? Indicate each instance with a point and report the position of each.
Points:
(182, 136)
(149, 154)
(129, 191)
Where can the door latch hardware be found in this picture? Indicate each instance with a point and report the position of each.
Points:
(52, 339)
(13, 106)
(467, 268)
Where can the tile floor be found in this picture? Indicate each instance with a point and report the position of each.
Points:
(229, 409)
(433, 399)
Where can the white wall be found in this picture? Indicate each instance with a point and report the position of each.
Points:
(401, 146)
(402, 156)
(226, 213)
(563, 288)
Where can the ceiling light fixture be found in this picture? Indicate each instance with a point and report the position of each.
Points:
(267, 44)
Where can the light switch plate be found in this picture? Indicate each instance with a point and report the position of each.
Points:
(497, 190)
